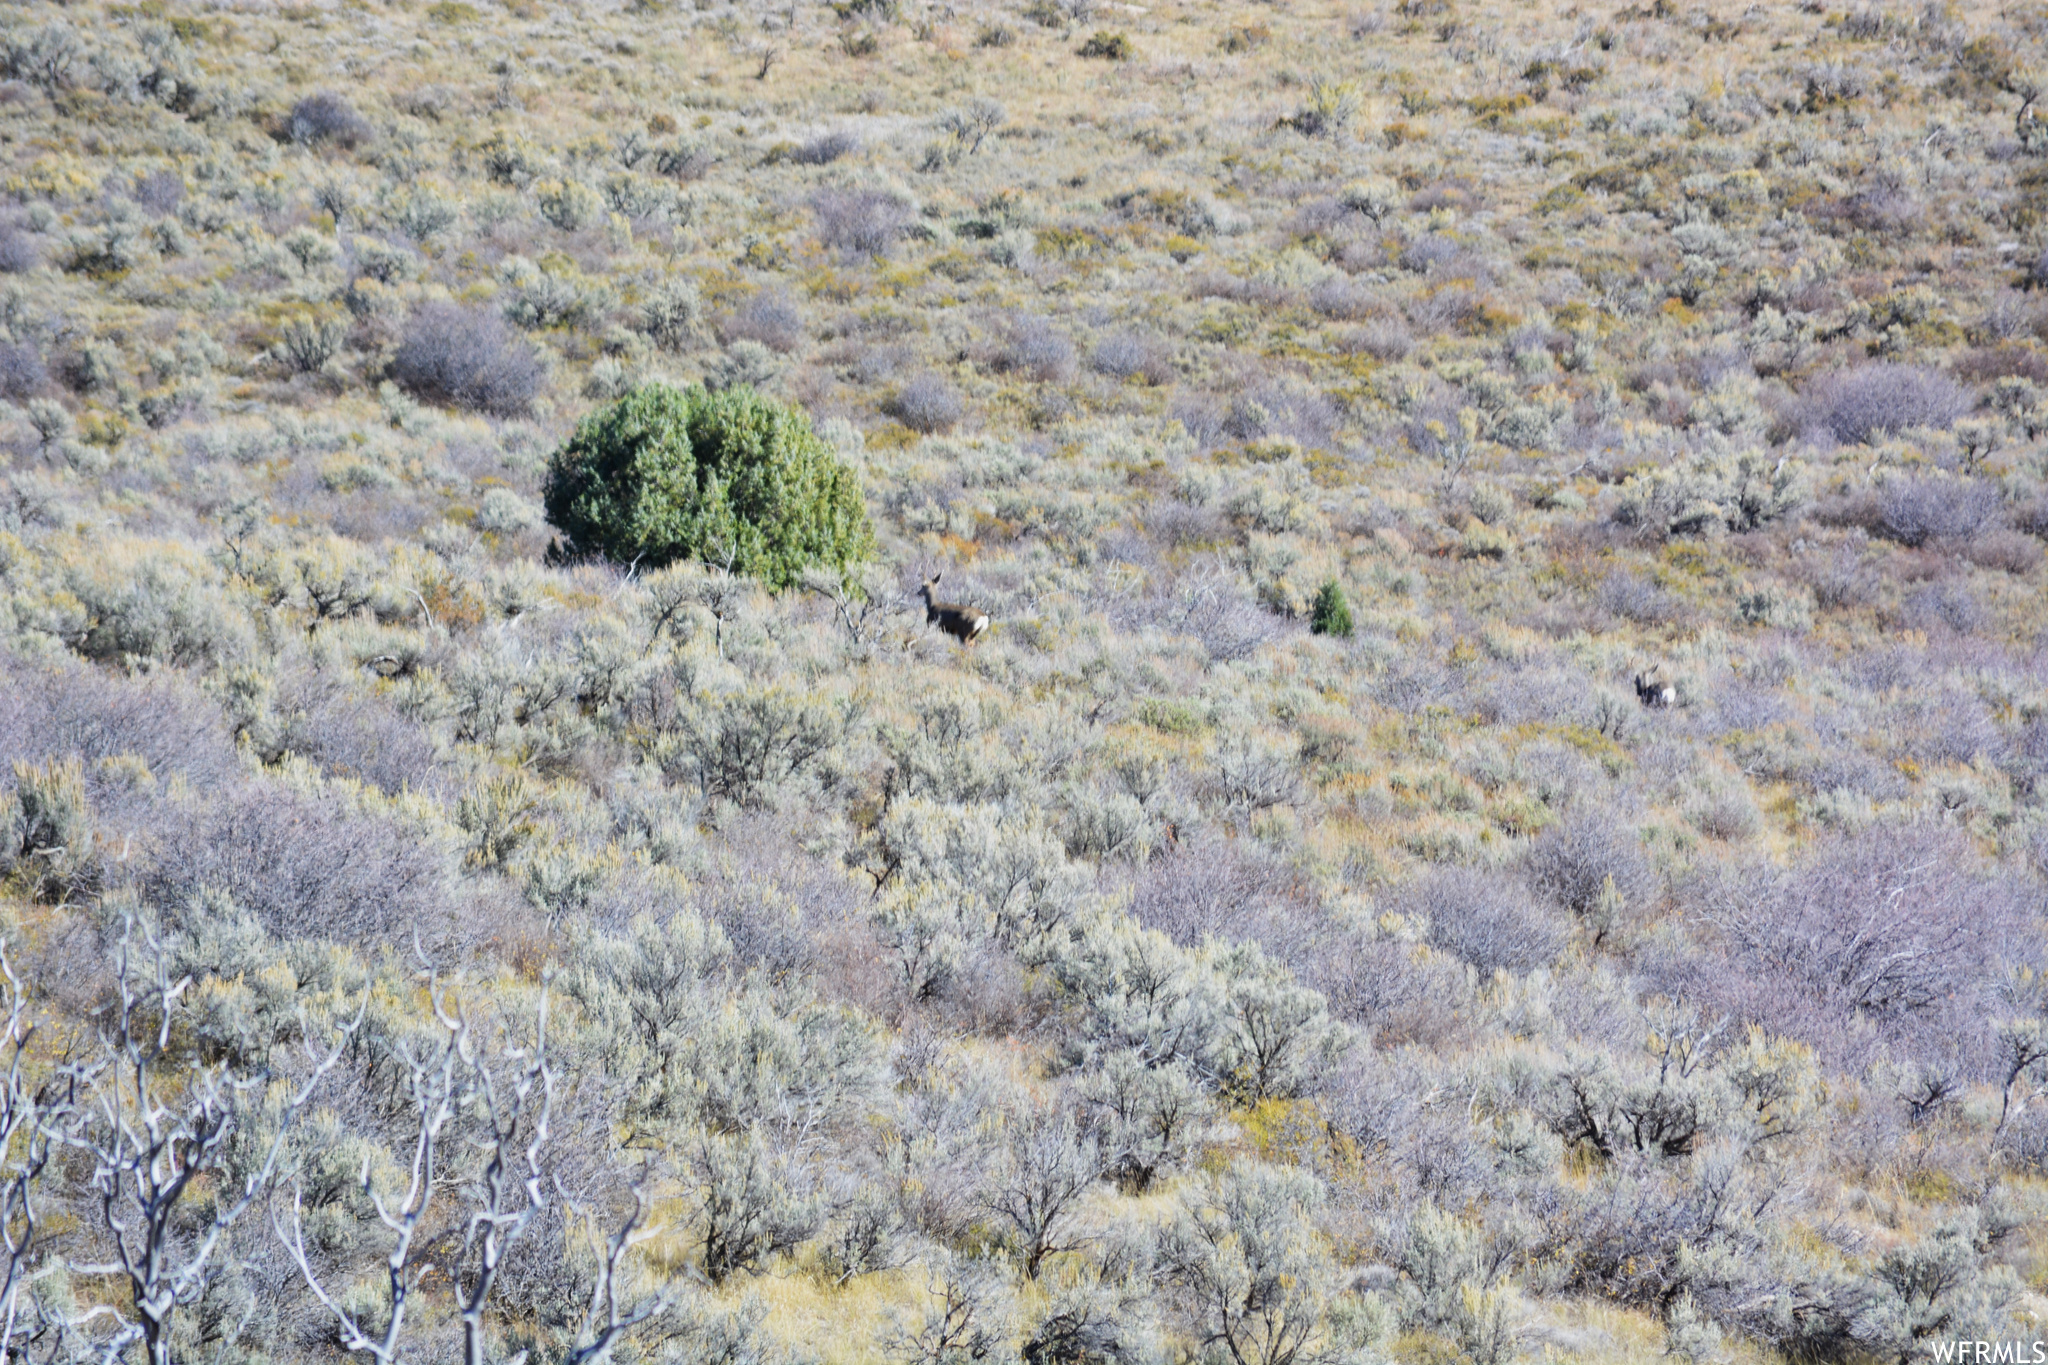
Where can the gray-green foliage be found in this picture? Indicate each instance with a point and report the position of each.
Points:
(671, 314)
(966, 1317)
(49, 836)
(1048, 1167)
(746, 745)
(1937, 1288)
(1738, 491)
(707, 1047)
(754, 1199)
(1249, 1269)
(1149, 1116)
(1451, 1284)
(536, 297)
(1101, 1312)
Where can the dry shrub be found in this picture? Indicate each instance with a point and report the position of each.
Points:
(1574, 863)
(927, 404)
(1917, 510)
(303, 866)
(1485, 918)
(1892, 930)
(826, 148)
(1854, 406)
(1344, 299)
(23, 375)
(1128, 355)
(860, 222)
(1387, 340)
(2012, 552)
(326, 117)
(20, 250)
(770, 317)
(1029, 346)
(159, 191)
(1219, 889)
(467, 358)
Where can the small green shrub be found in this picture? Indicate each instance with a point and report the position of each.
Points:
(1331, 614)
(731, 478)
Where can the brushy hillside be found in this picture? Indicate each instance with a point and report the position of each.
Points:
(1502, 813)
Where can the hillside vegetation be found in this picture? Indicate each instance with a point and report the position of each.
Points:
(1502, 813)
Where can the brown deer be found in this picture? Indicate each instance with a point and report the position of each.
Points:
(962, 623)
(1653, 692)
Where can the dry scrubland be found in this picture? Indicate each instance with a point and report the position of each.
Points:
(1161, 978)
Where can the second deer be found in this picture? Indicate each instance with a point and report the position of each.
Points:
(962, 623)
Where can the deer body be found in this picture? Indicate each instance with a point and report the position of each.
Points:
(1653, 692)
(962, 623)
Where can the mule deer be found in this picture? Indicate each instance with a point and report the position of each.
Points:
(1653, 692)
(962, 623)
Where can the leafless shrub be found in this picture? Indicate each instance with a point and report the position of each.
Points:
(1124, 355)
(1344, 299)
(1217, 889)
(326, 117)
(304, 867)
(467, 358)
(1917, 510)
(1432, 254)
(56, 711)
(1884, 206)
(826, 148)
(1951, 605)
(1029, 346)
(1593, 853)
(1891, 924)
(1387, 985)
(20, 250)
(354, 737)
(428, 102)
(1843, 580)
(1275, 409)
(860, 222)
(1180, 525)
(1239, 289)
(23, 375)
(2012, 552)
(879, 364)
(1726, 813)
(927, 404)
(159, 191)
(1634, 599)
(780, 906)
(1450, 309)
(1387, 339)
(1832, 83)
(1412, 685)
(1853, 406)
(1209, 601)
(771, 318)
(1200, 414)
(683, 160)
(1488, 920)
(1852, 772)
